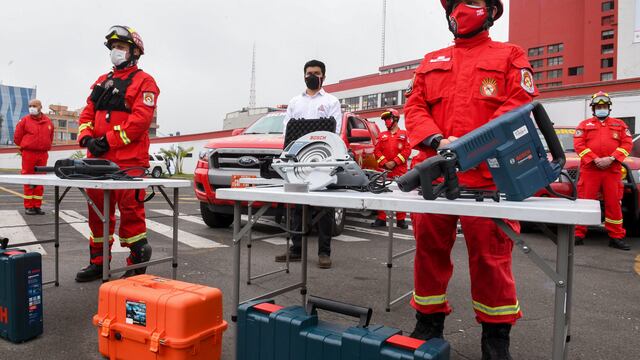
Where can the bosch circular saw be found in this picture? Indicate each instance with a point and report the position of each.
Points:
(319, 159)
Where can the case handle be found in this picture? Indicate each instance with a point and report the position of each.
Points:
(364, 314)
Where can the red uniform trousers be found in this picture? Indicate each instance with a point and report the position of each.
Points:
(33, 194)
(493, 288)
(591, 183)
(132, 227)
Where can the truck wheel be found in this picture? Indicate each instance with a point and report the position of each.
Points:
(157, 172)
(339, 216)
(214, 219)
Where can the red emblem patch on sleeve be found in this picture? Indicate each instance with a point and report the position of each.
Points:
(149, 98)
(527, 81)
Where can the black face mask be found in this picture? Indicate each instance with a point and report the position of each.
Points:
(313, 82)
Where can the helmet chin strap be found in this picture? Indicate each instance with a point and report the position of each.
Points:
(487, 24)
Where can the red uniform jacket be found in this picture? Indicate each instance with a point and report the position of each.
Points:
(126, 132)
(460, 88)
(34, 133)
(595, 139)
(393, 147)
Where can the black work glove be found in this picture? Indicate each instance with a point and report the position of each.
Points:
(97, 146)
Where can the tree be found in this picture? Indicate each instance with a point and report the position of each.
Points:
(170, 156)
(176, 156)
(77, 155)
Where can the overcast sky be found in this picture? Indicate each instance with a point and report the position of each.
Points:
(200, 51)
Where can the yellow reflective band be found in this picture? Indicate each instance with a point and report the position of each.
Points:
(402, 158)
(36, 197)
(124, 137)
(585, 152)
(498, 310)
(100, 239)
(625, 152)
(84, 126)
(133, 239)
(28, 197)
(381, 158)
(616, 222)
(429, 300)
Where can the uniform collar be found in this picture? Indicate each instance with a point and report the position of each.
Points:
(37, 118)
(125, 71)
(319, 93)
(474, 41)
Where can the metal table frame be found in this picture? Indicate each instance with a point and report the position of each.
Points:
(81, 185)
(562, 275)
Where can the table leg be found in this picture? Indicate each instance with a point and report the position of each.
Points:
(560, 327)
(236, 262)
(391, 221)
(571, 230)
(176, 213)
(106, 236)
(303, 264)
(250, 217)
(56, 205)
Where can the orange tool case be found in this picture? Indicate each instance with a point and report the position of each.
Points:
(148, 317)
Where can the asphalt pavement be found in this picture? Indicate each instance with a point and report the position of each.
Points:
(606, 307)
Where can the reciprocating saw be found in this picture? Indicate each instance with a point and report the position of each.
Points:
(512, 148)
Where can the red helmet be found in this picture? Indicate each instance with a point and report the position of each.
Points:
(497, 3)
(390, 113)
(601, 98)
(125, 34)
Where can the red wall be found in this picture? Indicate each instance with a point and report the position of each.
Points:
(575, 23)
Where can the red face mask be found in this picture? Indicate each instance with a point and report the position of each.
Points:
(467, 19)
(388, 122)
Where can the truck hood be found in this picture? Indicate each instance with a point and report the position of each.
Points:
(257, 141)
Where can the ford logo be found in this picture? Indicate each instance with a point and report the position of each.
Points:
(248, 161)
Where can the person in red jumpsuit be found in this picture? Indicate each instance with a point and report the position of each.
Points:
(115, 126)
(392, 152)
(34, 135)
(456, 90)
(603, 142)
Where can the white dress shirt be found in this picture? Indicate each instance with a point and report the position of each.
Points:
(320, 105)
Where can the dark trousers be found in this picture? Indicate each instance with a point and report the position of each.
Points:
(325, 225)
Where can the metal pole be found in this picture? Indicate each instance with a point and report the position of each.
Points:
(57, 232)
(106, 236)
(305, 229)
(236, 263)
(391, 219)
(249, 216)
(560, 311)
(570, 229)
(288, 238)
(176, 213)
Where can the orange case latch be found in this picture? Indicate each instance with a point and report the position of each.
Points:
(106, 326)
(155, 342)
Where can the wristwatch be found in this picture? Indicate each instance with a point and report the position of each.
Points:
(435, 142)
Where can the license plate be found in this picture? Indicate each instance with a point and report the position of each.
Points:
(235, 180)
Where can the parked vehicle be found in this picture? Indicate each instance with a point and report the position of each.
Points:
(157, 165)
(224, 161)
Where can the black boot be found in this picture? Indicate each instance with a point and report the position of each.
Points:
(402, 224)
(140, 252)
(89, 273)
(39, 211)
(428, 326)
(379, 223)
(30, 211)
(579, 241)
(495, 341)
(619, 244)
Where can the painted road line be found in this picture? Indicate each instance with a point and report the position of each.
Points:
(192, 240)
(80, 224)
(19, 231)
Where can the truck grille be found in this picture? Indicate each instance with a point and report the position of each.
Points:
(244, 160)
(573, 173)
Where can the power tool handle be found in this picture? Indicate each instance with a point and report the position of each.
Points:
(44, 169)
(546, 128)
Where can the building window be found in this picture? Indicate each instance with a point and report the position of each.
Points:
(608, 20)
(538, 76)
(553, 84)
(578, 70)
(608, 5)
(558, 60)
(606, 76)
(370, 102)
(607, 49)
(608, 34)
(554, 74)
(536, 51)
(537, 63)
(74, 136)
(556, 48)
(353, 103)
(606, 63)
(390, 98)
(62, 123)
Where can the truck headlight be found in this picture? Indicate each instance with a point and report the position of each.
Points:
(204, 154)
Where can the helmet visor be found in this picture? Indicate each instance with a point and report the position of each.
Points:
(601, 100)
(118, 33)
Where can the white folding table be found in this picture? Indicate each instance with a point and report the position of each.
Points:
(107, 186)
(563, 213)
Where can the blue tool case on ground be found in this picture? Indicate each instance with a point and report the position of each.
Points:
(271, 332)
(20, 295)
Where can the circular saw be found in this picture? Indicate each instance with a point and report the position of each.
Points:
(319, 159)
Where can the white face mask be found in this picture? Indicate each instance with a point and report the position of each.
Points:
(118, 56)
(33, 110)
(602, 113)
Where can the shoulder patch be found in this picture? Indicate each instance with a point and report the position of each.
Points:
(578, 133)
(409, 90)
(527, 81)
(148, 98)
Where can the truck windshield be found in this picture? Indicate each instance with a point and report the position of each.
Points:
(565, 135)
(269, 124)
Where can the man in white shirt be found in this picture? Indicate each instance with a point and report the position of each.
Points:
(314, 103)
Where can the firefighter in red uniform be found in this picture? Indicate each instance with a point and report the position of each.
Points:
(603, 143)
(392, 152)
(34, 135)
(115, 126)
(456, 90)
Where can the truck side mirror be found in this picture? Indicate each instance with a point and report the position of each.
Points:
(359, 135)
(237, 131)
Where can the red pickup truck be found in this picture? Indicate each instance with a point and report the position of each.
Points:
(225, 160)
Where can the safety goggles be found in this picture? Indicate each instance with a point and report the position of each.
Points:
(386, 115)
(118, 32)
(600, 100)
